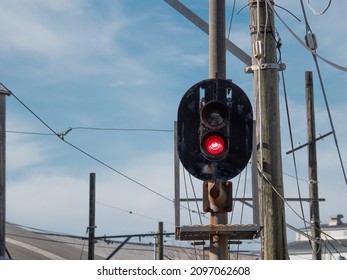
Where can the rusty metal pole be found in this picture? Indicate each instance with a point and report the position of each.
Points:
(217, 69)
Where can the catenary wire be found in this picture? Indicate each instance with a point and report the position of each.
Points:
(65, 132)
(120, 129)
(130, 212)
(30, 133)
(84, 152)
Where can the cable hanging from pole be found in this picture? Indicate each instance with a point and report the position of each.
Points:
(319, 13)
(86, 153)
(314, 55)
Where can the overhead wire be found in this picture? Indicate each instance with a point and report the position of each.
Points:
(319, 13)
(120, 129)
(61, 136)
(236, 195)
(231, 18)
(84, 152)
(30, 133)
(188, 206)
(330, 119)
(335, 249)
(289, 12)
(239, 177)
(195, 196)
(65, 132)
(333, 64)
(314, 55)
(308, 30)
(290, 130)
(83, 238)
(296, 176)
(296, 213)
(130, 212)
(260, 119)
(242, 210)
(83, 243)
(292, 147)
(187, 197)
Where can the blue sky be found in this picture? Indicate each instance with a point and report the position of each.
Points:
(126, 64)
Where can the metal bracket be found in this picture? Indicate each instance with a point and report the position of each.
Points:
(265, 66)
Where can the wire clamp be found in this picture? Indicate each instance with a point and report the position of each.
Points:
(265, 66)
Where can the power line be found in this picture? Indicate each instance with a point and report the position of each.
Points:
(121, 129)
(314, 56)
(29, 133)
(292, 146)
(296, 213)
(130, 212)
(61, 136)
(65, 132)
(335, 65)
(319, 13)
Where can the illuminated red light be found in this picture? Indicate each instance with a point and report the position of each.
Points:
(214, 145)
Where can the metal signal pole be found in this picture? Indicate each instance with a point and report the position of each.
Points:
(266, 96)
(3, 93)
(217, 69)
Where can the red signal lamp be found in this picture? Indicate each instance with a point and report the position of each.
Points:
(214, 145)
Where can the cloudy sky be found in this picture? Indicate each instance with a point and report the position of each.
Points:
(125, 65)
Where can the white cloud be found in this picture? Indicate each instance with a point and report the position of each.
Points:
(58, 35)
(23, 151)
(195, 59)
(22, 154)
(121, 70)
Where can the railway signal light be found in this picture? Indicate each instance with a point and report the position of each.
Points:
(214, 130)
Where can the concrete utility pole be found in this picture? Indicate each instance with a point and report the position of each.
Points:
(91, 228)
(217, 69)
(266, 96)
(3, 93)
(312, 169)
